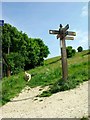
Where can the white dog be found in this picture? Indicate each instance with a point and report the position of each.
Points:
(27, 76)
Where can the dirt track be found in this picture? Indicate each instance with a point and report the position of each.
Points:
(67, 104)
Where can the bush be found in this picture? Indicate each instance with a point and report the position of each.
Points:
(80, 49)
(70, 52)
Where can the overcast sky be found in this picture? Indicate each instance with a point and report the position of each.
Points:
(36, 19)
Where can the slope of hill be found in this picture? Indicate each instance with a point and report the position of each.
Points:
(49, 74)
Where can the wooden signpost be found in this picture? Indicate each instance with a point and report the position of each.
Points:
(62, 34)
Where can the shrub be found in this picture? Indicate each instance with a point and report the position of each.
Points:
(70, 52)
(80, 49)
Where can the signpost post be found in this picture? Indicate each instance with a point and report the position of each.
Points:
(62, 33)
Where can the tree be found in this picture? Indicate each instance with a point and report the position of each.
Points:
(10, 45)
(6, 41)
(44, 51)
(6, 66)
(80, 49)
(21, 52)
(73, 52)
(16, 62)
(70, 52)
(36, 52)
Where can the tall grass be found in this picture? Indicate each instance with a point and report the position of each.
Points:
(79, 73)
(11, 87)
(48, 77)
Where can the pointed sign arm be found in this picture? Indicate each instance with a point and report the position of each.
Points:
(53, 32)
(69, 38)
(71, 33)
(66, 27)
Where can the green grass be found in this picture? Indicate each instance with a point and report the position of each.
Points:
(49, 74)
(76, 76)
(11, 87)
(48, 77)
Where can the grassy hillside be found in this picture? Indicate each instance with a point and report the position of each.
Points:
(49, 74)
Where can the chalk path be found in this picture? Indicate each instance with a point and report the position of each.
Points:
(67, 104)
